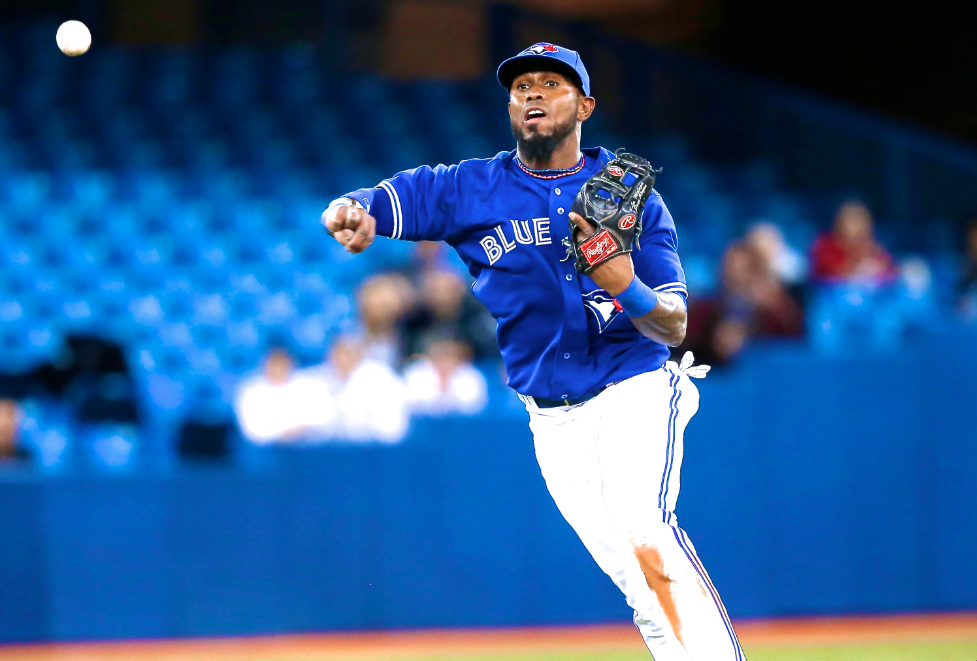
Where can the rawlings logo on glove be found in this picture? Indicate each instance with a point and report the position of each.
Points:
(598, 248)
(613, 200)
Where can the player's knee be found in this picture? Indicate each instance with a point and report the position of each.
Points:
(652, 564)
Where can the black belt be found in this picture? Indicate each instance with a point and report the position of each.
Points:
(544, 403)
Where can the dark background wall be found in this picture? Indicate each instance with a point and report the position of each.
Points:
(913, 61)
(810, 486)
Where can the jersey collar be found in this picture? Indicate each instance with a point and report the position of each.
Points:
(595, 156)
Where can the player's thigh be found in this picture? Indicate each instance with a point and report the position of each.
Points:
(566, 453)
(567, 456)
(641, 446)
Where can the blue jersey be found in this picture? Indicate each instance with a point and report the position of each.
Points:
(561, 336)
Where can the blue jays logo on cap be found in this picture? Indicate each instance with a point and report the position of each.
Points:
(546, 57)
(539, 49)
(604, 307)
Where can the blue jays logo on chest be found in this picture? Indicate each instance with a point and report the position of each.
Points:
(603, 306)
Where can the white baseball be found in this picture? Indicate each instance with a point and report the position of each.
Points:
(74, 38)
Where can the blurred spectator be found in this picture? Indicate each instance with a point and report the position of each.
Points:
(915, 280)
(786, 263)
(967, 290)
(752, 302)
(850, 253)
(93, 376)
(430, 256)
(754, 295)
(204, 441)
(10, 447)
(370, 399)
(444, 382)
(383, 302)
(860, 303)
(447, 309)
(281, 404)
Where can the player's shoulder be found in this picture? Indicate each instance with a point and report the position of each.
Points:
(607, 155)
(498, 161)
(474, 170)
(475, 164)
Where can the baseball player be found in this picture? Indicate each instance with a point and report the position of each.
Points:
(574, 254)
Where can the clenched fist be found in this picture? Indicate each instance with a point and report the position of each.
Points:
(352, 226)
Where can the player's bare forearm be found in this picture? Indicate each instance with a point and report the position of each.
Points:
(667, 321)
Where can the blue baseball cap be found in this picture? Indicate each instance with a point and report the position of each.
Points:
(545, 57)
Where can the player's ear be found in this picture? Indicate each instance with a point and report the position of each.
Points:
(585, 107)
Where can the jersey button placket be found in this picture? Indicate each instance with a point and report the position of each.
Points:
(574, 336)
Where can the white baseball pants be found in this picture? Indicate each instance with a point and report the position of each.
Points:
(612, 465)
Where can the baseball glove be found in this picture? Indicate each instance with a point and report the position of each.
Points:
(613, 200)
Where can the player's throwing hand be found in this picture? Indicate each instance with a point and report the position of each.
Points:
(351, 225)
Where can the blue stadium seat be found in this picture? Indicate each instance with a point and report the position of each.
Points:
(25, 190)
(275, 309)
(171, 78)
(243, 333)
(12, 156)
(209, 309)
(311, 333)
(109, 81)
(92, 189)
(110, 446)
(46, 428)
(236, 359)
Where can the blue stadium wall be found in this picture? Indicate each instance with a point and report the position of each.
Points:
(812, 485)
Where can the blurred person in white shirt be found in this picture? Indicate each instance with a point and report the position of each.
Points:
(281, 404)
(444, 382)
(370, 399)
(788, 264)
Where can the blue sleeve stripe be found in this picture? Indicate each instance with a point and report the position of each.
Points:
(398, 213)
(393, 206)
(672, 286)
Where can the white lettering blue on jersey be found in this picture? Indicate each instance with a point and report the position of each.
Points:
(559, 333)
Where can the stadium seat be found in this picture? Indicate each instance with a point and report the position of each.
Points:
(111, 447)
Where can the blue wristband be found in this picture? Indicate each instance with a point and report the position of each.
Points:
(638, 299)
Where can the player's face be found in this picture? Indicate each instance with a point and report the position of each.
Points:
(545, 103)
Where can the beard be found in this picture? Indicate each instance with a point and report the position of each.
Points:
(537, 148)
